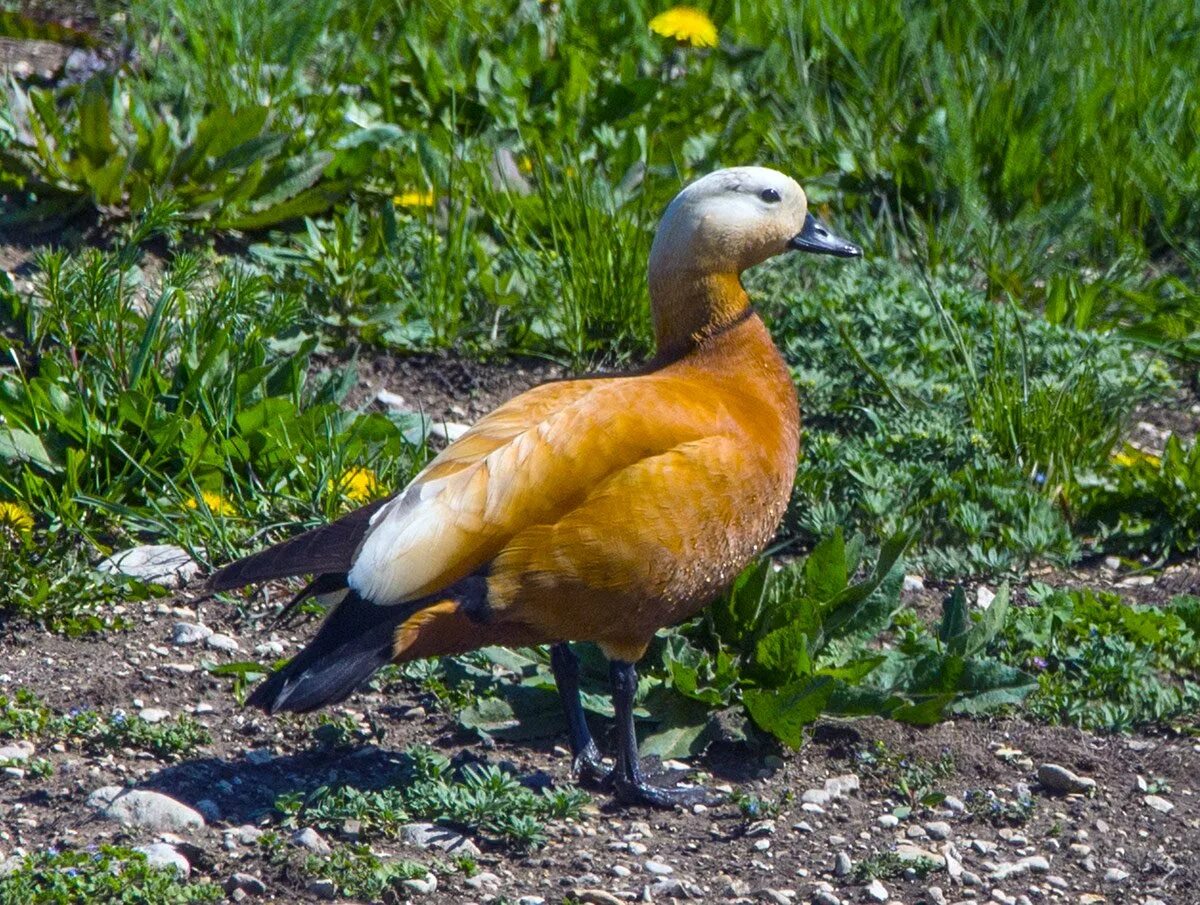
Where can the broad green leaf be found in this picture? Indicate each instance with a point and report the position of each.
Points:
(784, 712)
(22, 446)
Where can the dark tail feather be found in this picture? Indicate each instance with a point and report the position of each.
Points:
(329, 548)
(354, 641)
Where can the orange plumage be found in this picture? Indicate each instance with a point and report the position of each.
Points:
(599, 509)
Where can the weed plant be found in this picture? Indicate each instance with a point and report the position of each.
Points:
(108, 873)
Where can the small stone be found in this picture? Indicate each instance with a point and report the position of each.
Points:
(422, 886)
(154, 714)
(911, 854)
(247, 884)
(1115, 875)
(620, 871)
(877, 891)
(186, 633)
(448, 430)
(773, 896)
(916, 832)
(841, 786)
(222, 642)
(984, 597)
(482, 879)
(17, 751)
(259, 756)
(149, 810)
(658, 868)
(160, 854)
(939, 829)
(842, 865)
(162, 564)
(596, 897)
(13, 772)
(760, 828)
(887, 821)
(954, 804)
(269, 649)
(818, 797)
(531, 900)
(431, 836)
(323, 889)
(1057, 778)
(824, 897)
(936, 896)
(636, 848)
(914, 583)
(310, 839)
(1159, 804)
(393, 401)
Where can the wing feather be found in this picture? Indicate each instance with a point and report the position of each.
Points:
(525, 464)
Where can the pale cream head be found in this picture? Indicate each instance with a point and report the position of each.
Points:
(728, 221)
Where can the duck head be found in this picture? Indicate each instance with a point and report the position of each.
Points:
(714, 229)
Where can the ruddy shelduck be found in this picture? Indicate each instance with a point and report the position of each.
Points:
(597, 509)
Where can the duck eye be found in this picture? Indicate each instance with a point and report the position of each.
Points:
(771, 196)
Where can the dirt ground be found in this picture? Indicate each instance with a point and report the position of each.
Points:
(1110, 846)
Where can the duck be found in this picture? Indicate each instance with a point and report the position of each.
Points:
(597, 509)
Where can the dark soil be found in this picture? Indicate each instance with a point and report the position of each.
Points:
(254, 758)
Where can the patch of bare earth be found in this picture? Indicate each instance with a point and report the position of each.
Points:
(1110, 846)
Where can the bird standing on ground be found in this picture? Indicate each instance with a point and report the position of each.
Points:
(599, 509)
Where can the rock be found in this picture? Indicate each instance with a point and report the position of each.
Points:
(1159, 804)
(620, 871)
(911, 854)
(984, 597)
(658, 868)
(323, 889)
(209, 810)
(954, 804)
(773, 896)
(17, 751)
(816, 796)
(393, 401)
(936, 896)
(671, 888)
(424, 886)
(13, 772)
(842, 865)
(246, 883)
(939, 829)
(186, 633)
(1017, 868)
(448, 430)
(159, 854)
(154, 714)
(149, 810)
(888, 821)
(429, 835)
(636, 848)
(877, 891)
(531, 900)
(760, 828)
(310, 839)
(596, 897)
(482, 879)
(841, 786)
(221, 642)
(1057, 778)
(269, 649)
(824, 897)
(162, 564)
(1115, 875)
(914, 583)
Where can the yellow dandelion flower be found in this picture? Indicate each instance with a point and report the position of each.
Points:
(1131, 456)
(213, 502)
(687, 25)
(15, 518)
(413, 198)
(524, 164)
(360, 485)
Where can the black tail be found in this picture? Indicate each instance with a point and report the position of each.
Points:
(354, 641)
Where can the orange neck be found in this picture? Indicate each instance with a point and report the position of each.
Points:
(688, 307)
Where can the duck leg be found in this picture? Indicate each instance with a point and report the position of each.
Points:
(565, 665)
(628, 783)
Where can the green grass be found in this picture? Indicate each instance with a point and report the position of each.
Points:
(106, 874)
(479, 799)
(23, 715)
